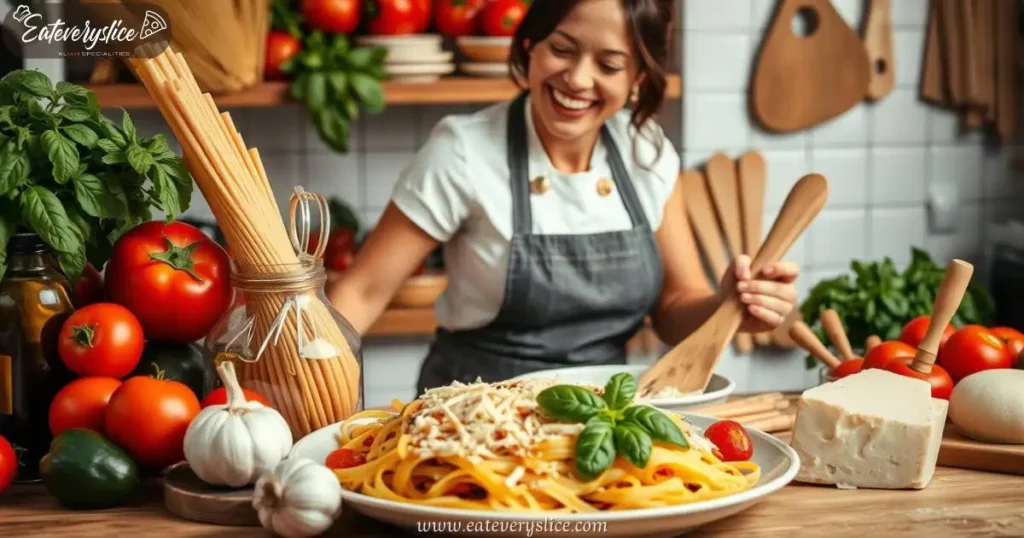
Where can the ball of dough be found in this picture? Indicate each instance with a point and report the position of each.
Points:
(989, 406)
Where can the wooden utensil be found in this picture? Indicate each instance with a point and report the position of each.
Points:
(688, 366)
(780, 337)
(878, 43)
(724, 188)
(836, 334)
(934, 87)
(188, 497)
(751, 171)
(871, 342)
(803, 81)
(947, 300)
(1006, 31)
(805, 338)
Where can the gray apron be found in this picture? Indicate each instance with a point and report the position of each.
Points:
(570, 300)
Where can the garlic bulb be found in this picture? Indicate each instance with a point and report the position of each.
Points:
(299, 498)
(235, 444)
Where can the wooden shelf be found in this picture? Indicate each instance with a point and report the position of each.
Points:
(404, 322)
(450, 90)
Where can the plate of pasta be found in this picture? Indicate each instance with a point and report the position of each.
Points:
(537, 457)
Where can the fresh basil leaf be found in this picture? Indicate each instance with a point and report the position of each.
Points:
(75, 113)
(29, 81)
(81, 134)
(316, 92)
(7, 225)
(72, 263)
(656, 424)
(595, 450)
(7, 94)
(95, 200)
(62, 154)
(333, 129)
(35, 111)
(46, 216)
(138, 158)
(117, 157)
(180, 181)
(159, 148)
(81, 223)
(128, 127)
(113, 133)
(603, 417)
(633, 442)
(298, 88)
(571, 403)
(166, 191)
(369, 91)
(338, 81)
(5, 115)
(107, 145)
(361, 58)
(14, 167)
(620, 391)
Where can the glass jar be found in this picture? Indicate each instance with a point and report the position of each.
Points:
(35, 300)
(290, 345)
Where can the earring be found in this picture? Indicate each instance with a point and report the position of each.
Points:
(635, 95)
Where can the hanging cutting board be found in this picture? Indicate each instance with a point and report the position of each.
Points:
(800, 81)
(878, 43)
(966, 453)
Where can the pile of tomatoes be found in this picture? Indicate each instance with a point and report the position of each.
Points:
(962, 352)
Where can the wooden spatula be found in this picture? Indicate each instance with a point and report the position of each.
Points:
(724, 188)
(688, 366)
(800, 81)
(750, 168)
(878, 43)
(836, 334)
(947, 301)
(805, 338)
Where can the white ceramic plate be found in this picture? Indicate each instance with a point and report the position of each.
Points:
(388, 41)
(415, 73)
(779, 465)
(482, 40)
(419, 57)
(481, 69)
(718, 390)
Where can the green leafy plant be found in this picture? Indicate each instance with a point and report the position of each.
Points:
(881, 299)
(612, 425)
(73, 176)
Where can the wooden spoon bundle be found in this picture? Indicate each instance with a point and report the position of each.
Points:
(313, 384)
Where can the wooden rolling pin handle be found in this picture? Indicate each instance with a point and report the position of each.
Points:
(951, 291)
(806, 339)
(836, 334)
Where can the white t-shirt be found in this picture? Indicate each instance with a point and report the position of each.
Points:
(457, 190)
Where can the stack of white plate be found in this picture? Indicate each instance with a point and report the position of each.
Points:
(484, 56)
(412, 58)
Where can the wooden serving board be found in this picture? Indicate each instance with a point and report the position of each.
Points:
(188, 497)
(960, 451)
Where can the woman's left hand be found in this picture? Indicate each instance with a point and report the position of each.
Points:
(770, 298)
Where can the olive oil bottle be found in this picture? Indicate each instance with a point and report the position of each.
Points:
(35, 299)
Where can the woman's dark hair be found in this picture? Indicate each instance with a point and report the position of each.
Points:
(649, 23)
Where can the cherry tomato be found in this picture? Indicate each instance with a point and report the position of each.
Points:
(173, 277)
(220, 397)
(1013, 339)
(502, 17)
(942, 384)
(455, 18)
(849, 367)
(731, 439)
(281, 46)
(914, 331)
(8, 464)
(397, 17)
(103, 339)
(89, 288)
(81, 404)
(343, 458)
(148, 418)
(334, 16)
(884, 353)
(972, 349)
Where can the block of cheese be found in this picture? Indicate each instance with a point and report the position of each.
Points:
(873, 429)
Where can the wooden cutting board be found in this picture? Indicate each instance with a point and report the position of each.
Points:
(188, 497)
(966, 453)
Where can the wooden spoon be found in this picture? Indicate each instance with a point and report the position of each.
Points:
(800, 81)
(947, 301)
(724, 188)
(805, 338)
(751, 170)
(688, 366)
(878, 43)
(871, 343)
(836, 334)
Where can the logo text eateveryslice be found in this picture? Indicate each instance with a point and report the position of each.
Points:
(89, 36)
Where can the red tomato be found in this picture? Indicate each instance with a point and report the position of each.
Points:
(397, 17)
(1013, 339)
(173, 277)
(103, 339)
(333, 16)
(884, 353)
(148, 418)
(914, 332)
(340, 250)
(281, 46)
(343, 458)
(8, 464)
(502, 17)
(220, 397)
(81, 404)
(731, 439)
(454, 18)
(942, 384)
(89, 288)
(849, 367)
(972, 349)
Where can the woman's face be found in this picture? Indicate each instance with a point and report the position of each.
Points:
(583, 72)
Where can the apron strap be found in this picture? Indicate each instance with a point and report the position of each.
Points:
(627, 191)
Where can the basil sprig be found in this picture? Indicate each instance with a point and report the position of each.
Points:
(612, 425)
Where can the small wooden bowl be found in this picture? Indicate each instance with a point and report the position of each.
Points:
(485, 49)
(420, 291)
